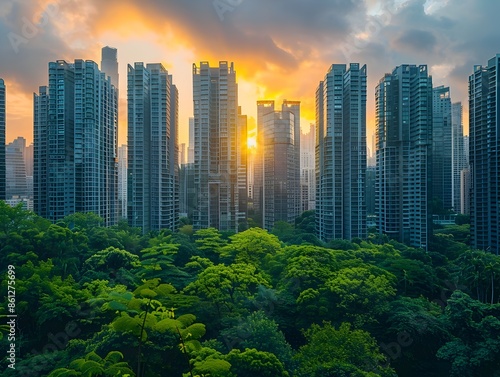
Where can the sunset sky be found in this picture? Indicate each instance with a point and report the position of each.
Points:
(281, 48)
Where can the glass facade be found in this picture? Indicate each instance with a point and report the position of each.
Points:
(341, 153)
(404, 147)
(216, 147)
(153, 173)
(484, 155)
(75, 143)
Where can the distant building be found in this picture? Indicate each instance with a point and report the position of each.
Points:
(341, 153)
(465, 186)
(191, 141)
(404, 147)
(122, 180)
(458, 158)
(217, 140)
(277, 163)
(442, 148)
(242, 157)
(16, 186)
(279, 167)
(308, 169)
(75, 143)
(182, 154)
(466, 150)
(484, 147)
(371, 180)
(187, 191)
(153, 172)
(109, 64)
(2, 139)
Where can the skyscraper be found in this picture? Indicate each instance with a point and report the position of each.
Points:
(216, 145)
(279, 167)
(109, 64)
(2, 139)
(242, 157)
(75, 143)
(442, 149)
(341, 153)
(153, 176)
(484, 155)
(277, 163)
(122, 180)
(404, 146)
(264, 107)
(458, 160)
(465, 182)
(191, 141)
(294, 108)
(308, 169)
(16, 183)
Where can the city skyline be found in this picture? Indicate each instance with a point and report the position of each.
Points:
(298, 38)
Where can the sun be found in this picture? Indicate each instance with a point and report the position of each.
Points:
(252, 142)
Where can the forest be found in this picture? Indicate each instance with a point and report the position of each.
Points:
(110, 301)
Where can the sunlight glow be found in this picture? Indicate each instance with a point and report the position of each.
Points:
(252, 142)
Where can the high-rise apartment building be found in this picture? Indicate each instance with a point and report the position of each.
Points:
(458, 160)
(279, 166)
(153, 175)
(341, 153)
(16, 182)
(191, 142)
(442, 149)
(75, 143)
(484, 149)
(308, 169)
(466, 151)
(242, 157)
(109, 64)
(404, 146)
(264, 107)
(216, 147)
(2, 139)
(465, 192)
(122, 180)
(276, 178)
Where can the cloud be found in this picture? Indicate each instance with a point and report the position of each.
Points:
(416, 41)
(283, 47)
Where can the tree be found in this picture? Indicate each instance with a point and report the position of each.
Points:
(111, 258)
(94, 365)
(227, 287)
(283, 230)
(341, 350)
(259, 332)
(306, 222)
(210, 242)
(85, 221)
(251, 363)
(362, 293)
(252, 246)
(474, 344)
(413, 332)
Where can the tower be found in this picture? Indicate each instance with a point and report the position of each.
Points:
(341, 153)
(404, 146)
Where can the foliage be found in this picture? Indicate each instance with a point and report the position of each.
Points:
(100, 301)
(329, 351)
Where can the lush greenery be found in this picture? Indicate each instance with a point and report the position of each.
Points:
(96, 301)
